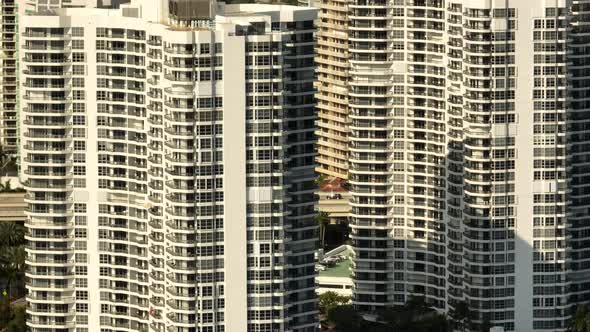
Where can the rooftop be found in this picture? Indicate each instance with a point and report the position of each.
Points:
(333, 184)
(342, 268)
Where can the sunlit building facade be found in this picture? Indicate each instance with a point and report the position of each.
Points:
(169, 166)
(332, 87)
(468, 157)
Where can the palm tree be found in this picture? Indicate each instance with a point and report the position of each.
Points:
(7, 186)
(12, 265)
(3, 154)
(323, 219)
(4, 160)
(11, 234)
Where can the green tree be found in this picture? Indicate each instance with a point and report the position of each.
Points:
(5, 312)
(12, 265)
(11, 234)
(581, 320)
(18, 323)
(319, 180)
(397, 318)
(323, 219)
(485, 326)
(460, 316)
(345, 319)
(330, 300)
(414, 316)
(434, 323)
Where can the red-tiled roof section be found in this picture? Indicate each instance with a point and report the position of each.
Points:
(334, 185)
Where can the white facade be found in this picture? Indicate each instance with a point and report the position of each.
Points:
(468, 156)
(9, 60)
(34, 6)
(169, 170)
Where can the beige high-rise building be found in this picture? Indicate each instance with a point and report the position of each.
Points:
(332, 88)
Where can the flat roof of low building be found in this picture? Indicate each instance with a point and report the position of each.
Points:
(340, 269)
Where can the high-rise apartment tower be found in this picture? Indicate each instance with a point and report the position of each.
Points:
(332, 88)
(468, 155)
(169, 166)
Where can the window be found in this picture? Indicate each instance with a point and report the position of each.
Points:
(80, 183)
(78, 82)
(78, 95)
(78, 69)
(79, 108)
(78, 44)
(82, 271)
(81, 282)
(205, 76)
(80, 208)
(80, 145)
(79, 170)
(81, 220)
(79, 132)
(79, 120)
(81, 258)
(79, 158)
(205, 48)
(80, 245)
(265, 248)
(104, 259)
(78, 57)
(218, 75)
(80, 233)
(81, 295)
(78, 32)
(101, 32)
(398, 12)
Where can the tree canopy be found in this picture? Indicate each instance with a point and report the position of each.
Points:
(330, 300)
(581, 320)
(414, 316)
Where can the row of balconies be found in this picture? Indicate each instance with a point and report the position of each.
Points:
(32, 184)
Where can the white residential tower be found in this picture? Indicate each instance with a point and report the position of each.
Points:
(167, 154)
(468, 157)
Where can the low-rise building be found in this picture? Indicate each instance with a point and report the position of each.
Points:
(12, 201)
(12, 207)
(334, 272)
